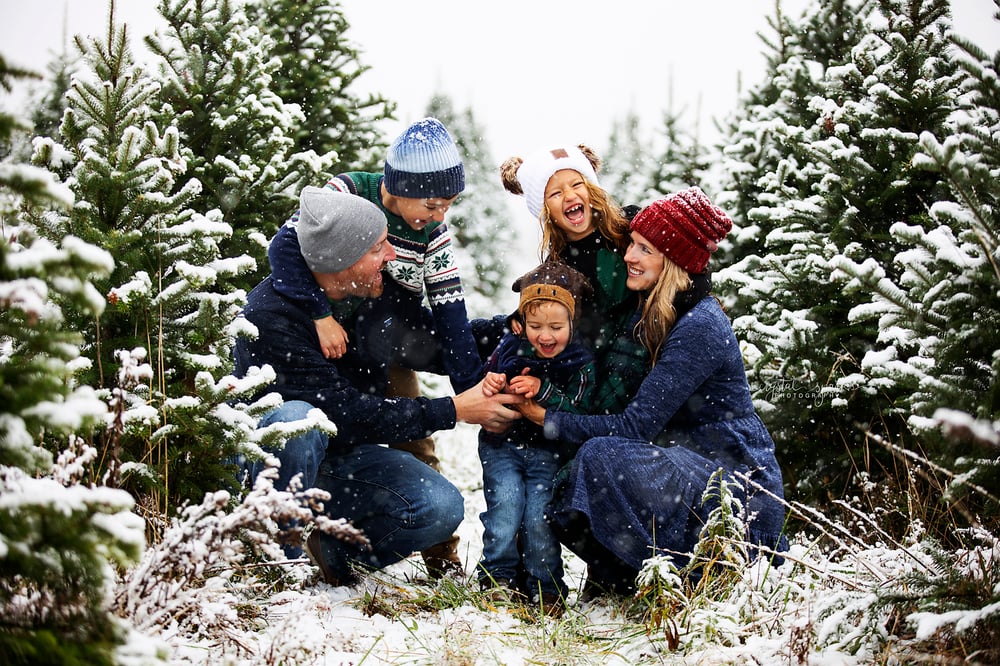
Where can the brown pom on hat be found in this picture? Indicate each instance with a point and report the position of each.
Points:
(553, 281)
(687, 227)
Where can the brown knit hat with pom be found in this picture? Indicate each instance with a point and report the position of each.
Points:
(686, 226)
(553, 281)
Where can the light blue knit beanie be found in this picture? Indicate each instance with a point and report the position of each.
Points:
(423, 163)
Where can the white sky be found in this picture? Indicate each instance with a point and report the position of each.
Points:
(533, 71)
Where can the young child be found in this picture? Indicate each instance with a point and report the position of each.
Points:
(544, 363)
(422, 177)
(582, 226)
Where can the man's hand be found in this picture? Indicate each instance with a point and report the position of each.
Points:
(492, 412)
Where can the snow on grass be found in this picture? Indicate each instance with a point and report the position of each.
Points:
(818, 608)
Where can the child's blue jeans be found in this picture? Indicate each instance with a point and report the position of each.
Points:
(517, 484)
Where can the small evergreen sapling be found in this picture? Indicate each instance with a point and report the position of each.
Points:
(61, 536)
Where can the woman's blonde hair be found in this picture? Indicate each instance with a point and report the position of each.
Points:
(658, 312)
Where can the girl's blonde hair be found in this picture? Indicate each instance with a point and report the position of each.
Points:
(609, 221)
(658, 312)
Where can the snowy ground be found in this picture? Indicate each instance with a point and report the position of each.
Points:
(812, 610)
(328, 626)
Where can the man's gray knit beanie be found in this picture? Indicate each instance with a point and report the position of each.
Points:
(335, 229)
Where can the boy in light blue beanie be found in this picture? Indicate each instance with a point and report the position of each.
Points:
(422, 176)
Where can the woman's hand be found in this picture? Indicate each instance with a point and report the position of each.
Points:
(532, 411)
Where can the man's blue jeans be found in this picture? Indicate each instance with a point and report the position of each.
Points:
(517, 483)
(400, 503)
(300, 455)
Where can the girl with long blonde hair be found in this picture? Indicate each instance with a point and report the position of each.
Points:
(582, 226)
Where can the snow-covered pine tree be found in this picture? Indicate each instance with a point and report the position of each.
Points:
(161, 348)
(318, 67)
(238, 137)
(681, 162)
(939, 320)
(113, 157)
(755, 153)
(844, 177)
(51, 103)
(45, 106)
(60, 538)
(12, 130)
(479, 221)
(968, 367)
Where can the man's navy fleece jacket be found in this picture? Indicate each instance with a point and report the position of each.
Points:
(350, 390)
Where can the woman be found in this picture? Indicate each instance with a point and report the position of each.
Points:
(636, 484)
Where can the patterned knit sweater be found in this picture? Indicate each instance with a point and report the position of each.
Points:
(425, 259)
(425, 265)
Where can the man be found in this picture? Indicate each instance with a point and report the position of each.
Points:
(400, 503)
(422, 177)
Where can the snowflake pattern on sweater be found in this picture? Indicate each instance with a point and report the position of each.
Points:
(425, 259)
(425, 264)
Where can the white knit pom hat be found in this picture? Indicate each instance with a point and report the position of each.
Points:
(537, 168)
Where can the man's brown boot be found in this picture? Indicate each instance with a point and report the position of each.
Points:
(443, 560)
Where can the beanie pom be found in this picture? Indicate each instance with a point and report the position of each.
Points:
(508, 175)
(591, 156)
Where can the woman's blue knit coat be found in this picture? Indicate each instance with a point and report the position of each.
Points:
(639, 476)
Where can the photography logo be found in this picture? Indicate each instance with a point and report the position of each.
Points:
(781, 389)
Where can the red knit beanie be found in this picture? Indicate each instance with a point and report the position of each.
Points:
(687, 227)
